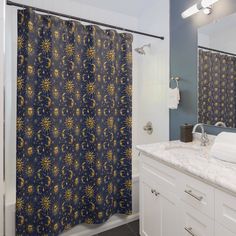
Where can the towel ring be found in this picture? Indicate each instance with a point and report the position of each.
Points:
(177, 79)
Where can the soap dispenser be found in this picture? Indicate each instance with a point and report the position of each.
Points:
(186, 135)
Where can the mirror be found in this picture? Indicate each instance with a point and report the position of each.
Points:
(217, 73)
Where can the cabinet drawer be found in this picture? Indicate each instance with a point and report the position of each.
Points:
(221, 231)
(195, 223)
(163, 176)
(225, 210)
(197, 194)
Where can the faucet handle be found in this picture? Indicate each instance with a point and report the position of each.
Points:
(148, 128)
(204, 139)
(206, 136)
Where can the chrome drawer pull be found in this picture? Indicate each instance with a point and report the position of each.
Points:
(189, 192)
(155, 192)
(189, 230)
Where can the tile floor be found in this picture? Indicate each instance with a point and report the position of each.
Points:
(131, 229)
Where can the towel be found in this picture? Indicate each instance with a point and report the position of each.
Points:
(224, 147)
(226, 137)
(174, 98)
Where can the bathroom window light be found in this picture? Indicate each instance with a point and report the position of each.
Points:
(204, 4)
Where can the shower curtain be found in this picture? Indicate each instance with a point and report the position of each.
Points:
(217, 88)
(74, 120)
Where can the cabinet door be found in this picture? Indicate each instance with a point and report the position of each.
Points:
(170, 220)
(225, 210)
(158, 209)
(150, 211)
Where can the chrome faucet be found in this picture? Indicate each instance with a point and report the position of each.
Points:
(204, 138)
(220, 124)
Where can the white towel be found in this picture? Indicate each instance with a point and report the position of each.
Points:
(226, 137)
(224, 147)
(173, 98)
(224, 152)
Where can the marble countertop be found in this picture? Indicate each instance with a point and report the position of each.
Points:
(194, 159)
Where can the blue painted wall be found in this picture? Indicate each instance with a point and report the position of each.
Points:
(183, 59)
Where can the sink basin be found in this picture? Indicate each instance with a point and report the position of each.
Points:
(182, 148)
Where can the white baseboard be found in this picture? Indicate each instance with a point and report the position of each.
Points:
(113, 222)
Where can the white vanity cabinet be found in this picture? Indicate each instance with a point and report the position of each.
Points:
(158, 204)
(194, 223)
(176, 204)
(225, 211)
(151, 209)
(221, 231)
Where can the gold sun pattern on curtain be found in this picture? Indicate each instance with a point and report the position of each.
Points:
(217, 88)
(74, 120)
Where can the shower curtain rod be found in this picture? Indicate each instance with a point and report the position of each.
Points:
(10, 3)
(215, 50)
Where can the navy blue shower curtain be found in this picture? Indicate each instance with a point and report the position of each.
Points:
(74, 120)
(217, 88)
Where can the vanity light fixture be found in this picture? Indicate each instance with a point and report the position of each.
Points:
(208, 3)
(207, 11)
(191, 11)
(205, 5)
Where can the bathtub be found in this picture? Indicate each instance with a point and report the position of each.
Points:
(83, 229)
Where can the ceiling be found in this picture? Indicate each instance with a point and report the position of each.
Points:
(128, 7)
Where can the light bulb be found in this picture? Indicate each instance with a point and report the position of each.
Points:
(208, 3)
(207, 11)
(191, 11)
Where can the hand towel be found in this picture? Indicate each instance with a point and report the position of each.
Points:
(224, 147)
(226, 138)
(173, 98)
(224, 152)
